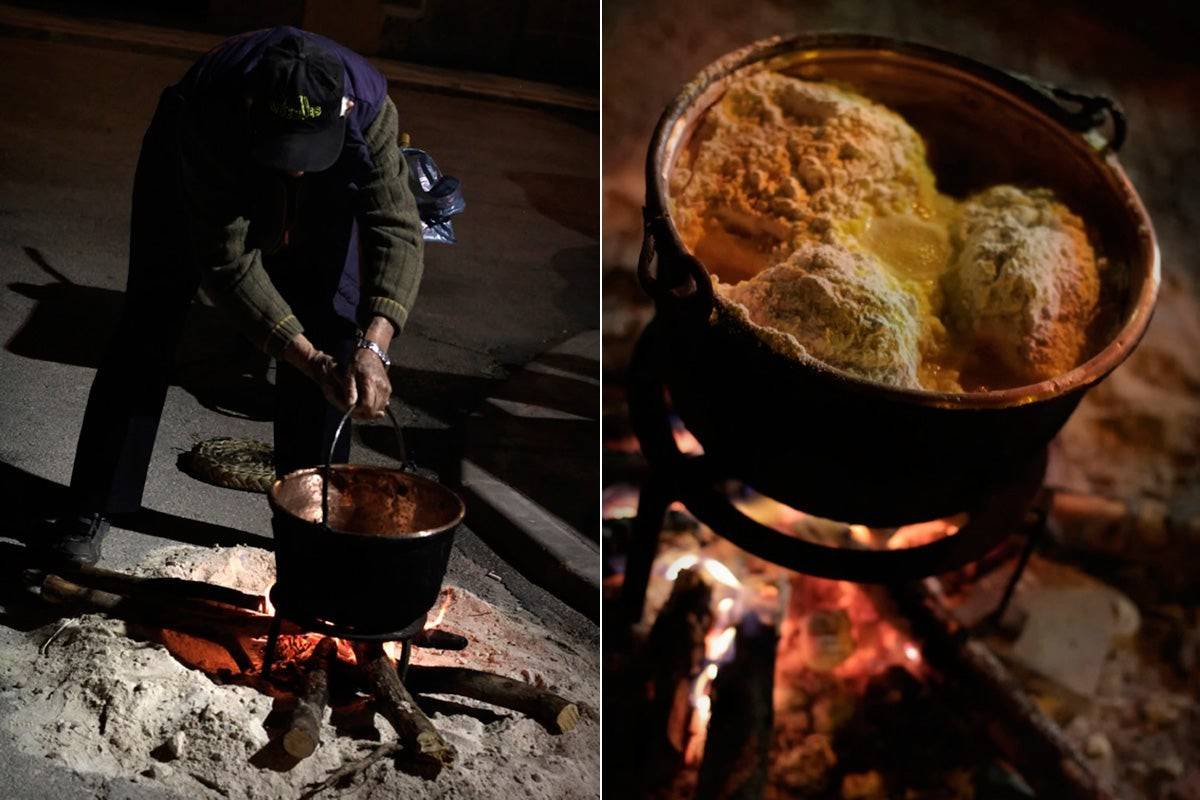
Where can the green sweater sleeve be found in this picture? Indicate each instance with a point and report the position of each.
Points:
(389, 227)
(233, 276)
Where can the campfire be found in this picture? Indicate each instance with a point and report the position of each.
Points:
(236, 638)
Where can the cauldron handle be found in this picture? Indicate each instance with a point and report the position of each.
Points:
(1081, 112)
(405, 464)
(692, 293)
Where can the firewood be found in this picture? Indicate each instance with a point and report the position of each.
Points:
(558, 715)
(438, 639)
(661, 674)
(168, 588)
(183, 614)
(303, 733)
(1016, 725)
(738, 745)
(675, 652)
(425, 750)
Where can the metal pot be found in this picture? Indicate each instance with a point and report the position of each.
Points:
(361, 547)
(844, 447)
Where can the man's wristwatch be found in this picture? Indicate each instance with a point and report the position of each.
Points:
(367, 344)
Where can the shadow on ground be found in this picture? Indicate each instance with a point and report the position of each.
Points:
(72, 324)
(40, 496)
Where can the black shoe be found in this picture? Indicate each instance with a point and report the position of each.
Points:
(74, 538)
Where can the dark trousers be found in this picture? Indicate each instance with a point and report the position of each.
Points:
(130, 387)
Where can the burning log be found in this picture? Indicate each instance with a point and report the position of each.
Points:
(303, 733)
(185, 614)
(425, 748)
(1015, 724)
(558, 715)
(676, 652)
(738, 745)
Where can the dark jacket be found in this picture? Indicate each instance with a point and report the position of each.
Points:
(230, 225)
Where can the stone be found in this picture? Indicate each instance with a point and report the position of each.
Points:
(1068, 636)
(1159, 711)
(176, 746)
(1097, 746)
(827, 639)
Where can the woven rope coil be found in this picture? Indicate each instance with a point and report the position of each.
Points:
(245, 464)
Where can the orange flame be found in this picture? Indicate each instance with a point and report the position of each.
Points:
(440, 615)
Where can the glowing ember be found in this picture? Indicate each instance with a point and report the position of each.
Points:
(861, 534)
(268, 607)
(912, 653)
(716, 646)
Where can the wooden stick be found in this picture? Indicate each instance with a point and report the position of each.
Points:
(425, 748)
(120, 583)
(353, 768)
(183, 615)
(675, 652)
(558, 715)
(1016, 725)
(438, 639)
(663, 670)
(738, 745)
(303, 733)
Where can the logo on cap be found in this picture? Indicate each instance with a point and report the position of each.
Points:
(305, 110)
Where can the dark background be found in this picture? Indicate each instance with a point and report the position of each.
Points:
(553, 41)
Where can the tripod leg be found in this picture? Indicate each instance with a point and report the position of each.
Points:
(272, 641)
(1032, 537)
(653, 502)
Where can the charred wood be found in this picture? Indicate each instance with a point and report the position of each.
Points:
(438, 639)
(738, 744)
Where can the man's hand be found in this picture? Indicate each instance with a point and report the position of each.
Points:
(336, 383)
(372, 388)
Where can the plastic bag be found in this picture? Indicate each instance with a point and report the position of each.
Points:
(439, 197)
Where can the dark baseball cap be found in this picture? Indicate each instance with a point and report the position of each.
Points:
(296, 114)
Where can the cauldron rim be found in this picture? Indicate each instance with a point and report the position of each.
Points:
(668, 134)
(278, 506)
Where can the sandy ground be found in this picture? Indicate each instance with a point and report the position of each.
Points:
(105, 702)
